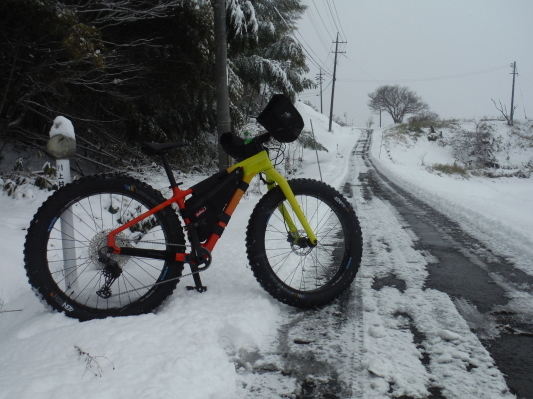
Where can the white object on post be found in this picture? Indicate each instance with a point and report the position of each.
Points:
(62, 146)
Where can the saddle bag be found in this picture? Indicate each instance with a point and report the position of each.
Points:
(205, 208)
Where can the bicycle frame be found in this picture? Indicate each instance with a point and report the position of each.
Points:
(251, 166)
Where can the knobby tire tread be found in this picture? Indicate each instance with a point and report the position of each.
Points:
(35, 247)
(257, 257)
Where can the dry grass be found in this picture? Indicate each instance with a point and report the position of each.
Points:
(449, 169)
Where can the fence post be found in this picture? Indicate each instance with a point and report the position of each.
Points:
(62, 146)
(316, 148)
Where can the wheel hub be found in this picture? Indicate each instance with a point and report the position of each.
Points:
(299, 243)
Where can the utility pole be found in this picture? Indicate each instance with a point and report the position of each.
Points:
(513, 65)
(334, 78)
(221, 73)
(320, 79)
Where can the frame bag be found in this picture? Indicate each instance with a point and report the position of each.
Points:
(206, 206)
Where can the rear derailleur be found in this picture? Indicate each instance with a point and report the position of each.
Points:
(111, 272)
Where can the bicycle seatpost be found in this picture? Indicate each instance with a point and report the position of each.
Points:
(168, 170)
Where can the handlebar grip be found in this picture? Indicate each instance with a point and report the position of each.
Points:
(233, 145)
(238, 149)
(263, 138)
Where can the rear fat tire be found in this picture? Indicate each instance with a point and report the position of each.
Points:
(92, 220)
(297, 276)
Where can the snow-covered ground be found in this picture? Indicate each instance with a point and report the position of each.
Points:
(497, 210)
(184, 350)
(179, 352)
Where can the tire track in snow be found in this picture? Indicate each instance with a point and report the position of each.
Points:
(488, 290)
(415, 342)
(316, 355)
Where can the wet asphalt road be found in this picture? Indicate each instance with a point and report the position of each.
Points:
(481, 283)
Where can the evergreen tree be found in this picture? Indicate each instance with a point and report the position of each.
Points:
(131, 70)
(276, 63)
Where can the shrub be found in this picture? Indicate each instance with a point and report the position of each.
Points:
(307, 140)
(449, 169)
(424, 116)
(475, 148)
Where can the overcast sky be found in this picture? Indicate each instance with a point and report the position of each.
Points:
(456, 54)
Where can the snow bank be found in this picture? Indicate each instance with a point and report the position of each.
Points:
(498, 211)
(185, 350)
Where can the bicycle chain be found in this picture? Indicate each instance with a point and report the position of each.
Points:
(164, 243)
(153, 285)
(161, 282)
(166, 281)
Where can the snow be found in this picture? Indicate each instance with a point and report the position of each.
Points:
(62, 126)
(187, 349)
(499, 211)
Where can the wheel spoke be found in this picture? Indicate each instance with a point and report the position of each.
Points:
(303, 269)
(71, 259)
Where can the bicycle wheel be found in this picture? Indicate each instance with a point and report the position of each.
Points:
(292, 271)
(69, 229)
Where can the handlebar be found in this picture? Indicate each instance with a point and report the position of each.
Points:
(238, 149)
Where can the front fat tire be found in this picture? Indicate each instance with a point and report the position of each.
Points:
(297, 276)
(93, 219)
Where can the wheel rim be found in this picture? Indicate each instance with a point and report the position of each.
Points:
(301, 268)
(75, 237)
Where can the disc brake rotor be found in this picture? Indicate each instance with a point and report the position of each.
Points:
(300, 247)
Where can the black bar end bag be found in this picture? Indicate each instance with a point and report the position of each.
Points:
(281, 119)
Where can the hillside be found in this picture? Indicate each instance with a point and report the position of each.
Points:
(490, 195)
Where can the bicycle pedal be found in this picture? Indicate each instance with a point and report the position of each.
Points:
(201, 289)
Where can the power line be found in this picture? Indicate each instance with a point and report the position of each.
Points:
(320, 16)
(529, 80)
(342, 30)
(327, 86)
(330, 51)
(330, 14)
(333, 18)
(309, 56)
(358, 66)
(317, 29)
(459, 75)
(316, 94)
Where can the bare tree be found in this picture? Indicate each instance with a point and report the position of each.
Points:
(397, 101)
(503, 109)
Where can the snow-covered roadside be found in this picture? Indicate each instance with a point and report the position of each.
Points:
(415, 343)
(186, 349)
(498, 211)
(183, 351)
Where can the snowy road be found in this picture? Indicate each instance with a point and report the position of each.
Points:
(426, 297)
(433, 313)
(483, 287)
